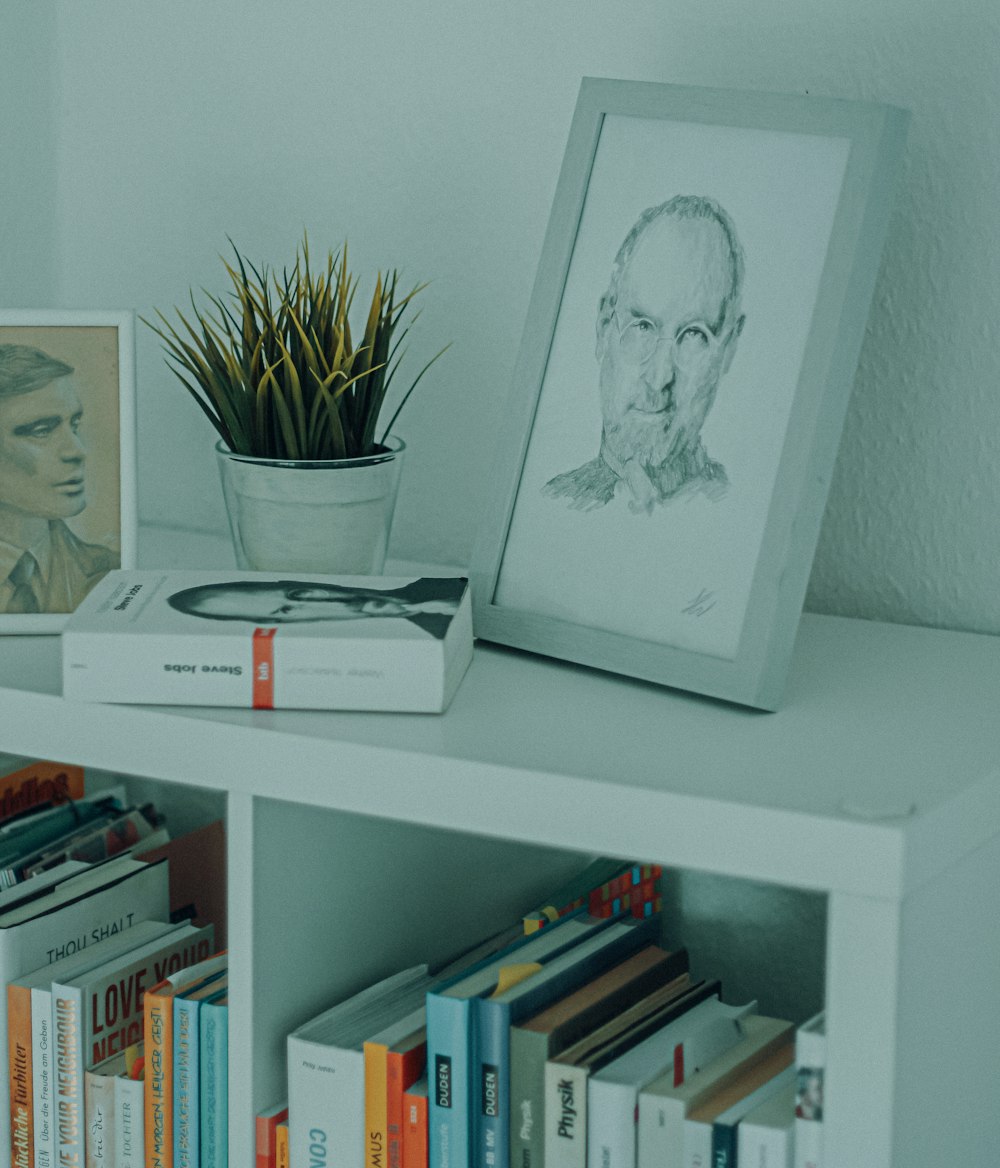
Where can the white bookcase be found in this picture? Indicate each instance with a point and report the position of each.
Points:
(845, 850)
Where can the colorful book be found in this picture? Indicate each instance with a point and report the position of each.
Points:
(213, 1024)
(100, 901)
(767, 1132)
(549, 1032)
(265, 1135)
(261, 640)
(158, 1038)
(29, 1040)
(99, 1012)
(187, 1066)
(810, 1059)
(700, 1122)
(568, 1073)
(606, 887)
(664, 1103)
(415, 1124)
(450, 1033)
(725, 1129)
(697, 1036)
(326, 1079)
(393, 1060)
(37, 783)
(496, 1014)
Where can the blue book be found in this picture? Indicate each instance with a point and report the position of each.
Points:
(186, 1055)
(213, 1026)
(450, 1035)
(496, 1013)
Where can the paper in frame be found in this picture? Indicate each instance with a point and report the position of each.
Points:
(67, 456)
(689, 351)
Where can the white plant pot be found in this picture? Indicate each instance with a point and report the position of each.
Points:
(328, 517)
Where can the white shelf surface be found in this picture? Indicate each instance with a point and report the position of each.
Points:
(879, 772)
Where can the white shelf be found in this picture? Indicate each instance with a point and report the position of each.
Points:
(876, 787)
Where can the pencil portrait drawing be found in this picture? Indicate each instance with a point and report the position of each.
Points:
(667, 329)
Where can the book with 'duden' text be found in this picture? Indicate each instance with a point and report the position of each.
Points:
(270, 640)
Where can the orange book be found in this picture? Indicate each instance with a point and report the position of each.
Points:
(266, 1129)
(375, 1104)
(22, 1148)
(415, 1125)
(281, 1145)
(405, 1063)
(38, 784)
(158, 1035)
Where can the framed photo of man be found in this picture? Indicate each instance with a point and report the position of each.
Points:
(690, 347)
(67, 460)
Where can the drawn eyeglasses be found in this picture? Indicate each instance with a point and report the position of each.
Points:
(640, 338)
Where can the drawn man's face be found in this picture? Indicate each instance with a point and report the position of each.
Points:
(668, 342)
(41, 455)
(285, 603)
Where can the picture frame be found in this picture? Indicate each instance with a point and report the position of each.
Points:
(67, 460)
(689, 350)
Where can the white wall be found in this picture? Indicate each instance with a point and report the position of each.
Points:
(431, 135)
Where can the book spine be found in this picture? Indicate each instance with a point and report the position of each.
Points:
(810, 1065)
(491, 1085)
(281, 1145)
(376, 1136)
(415, 1130)
(610, 1124)
(326, 1101)
(214, 1086)
(724, 1145)
(265, 1133)
(129, 1136)
(565, 1116)
(402, 1071)
(19, 1064)
(765, 1147)
(528, 1052)
(660, 1132)
(99, 1109)
(67, 1033)
(697, 1143)
(448, 1072)
(158, 1027)
(41, 1087)
(186, 1060)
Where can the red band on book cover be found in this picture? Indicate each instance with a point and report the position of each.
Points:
(263, 669)
(678, 1064)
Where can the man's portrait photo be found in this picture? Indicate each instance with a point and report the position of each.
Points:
(667, 328)
(60, 466)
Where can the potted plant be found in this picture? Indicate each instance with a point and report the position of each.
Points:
(309, 473)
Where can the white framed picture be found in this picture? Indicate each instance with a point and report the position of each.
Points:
(67, 460)
(689, 351)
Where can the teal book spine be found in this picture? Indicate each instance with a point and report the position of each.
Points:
(213, 1026)
(186, 1068)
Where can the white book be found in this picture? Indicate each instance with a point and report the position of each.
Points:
(99, 1112)
(326, 1074)
(699, 1126)
(725, 1130)
(810, 1061)
(129, 1124)
(702, 1033)
(767, 1133)
(103, 900)
(664, 1104)
(266, 640)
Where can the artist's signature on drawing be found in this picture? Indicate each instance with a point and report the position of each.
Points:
(702, 603)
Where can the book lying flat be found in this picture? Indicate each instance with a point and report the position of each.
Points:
(269, 641)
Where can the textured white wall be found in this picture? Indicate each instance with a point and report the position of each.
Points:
(431, 135)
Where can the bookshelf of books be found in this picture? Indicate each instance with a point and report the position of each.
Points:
(842, 853)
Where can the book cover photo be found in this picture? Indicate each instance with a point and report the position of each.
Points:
(264, 640)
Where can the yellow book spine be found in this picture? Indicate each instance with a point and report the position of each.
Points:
(375, 1104)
